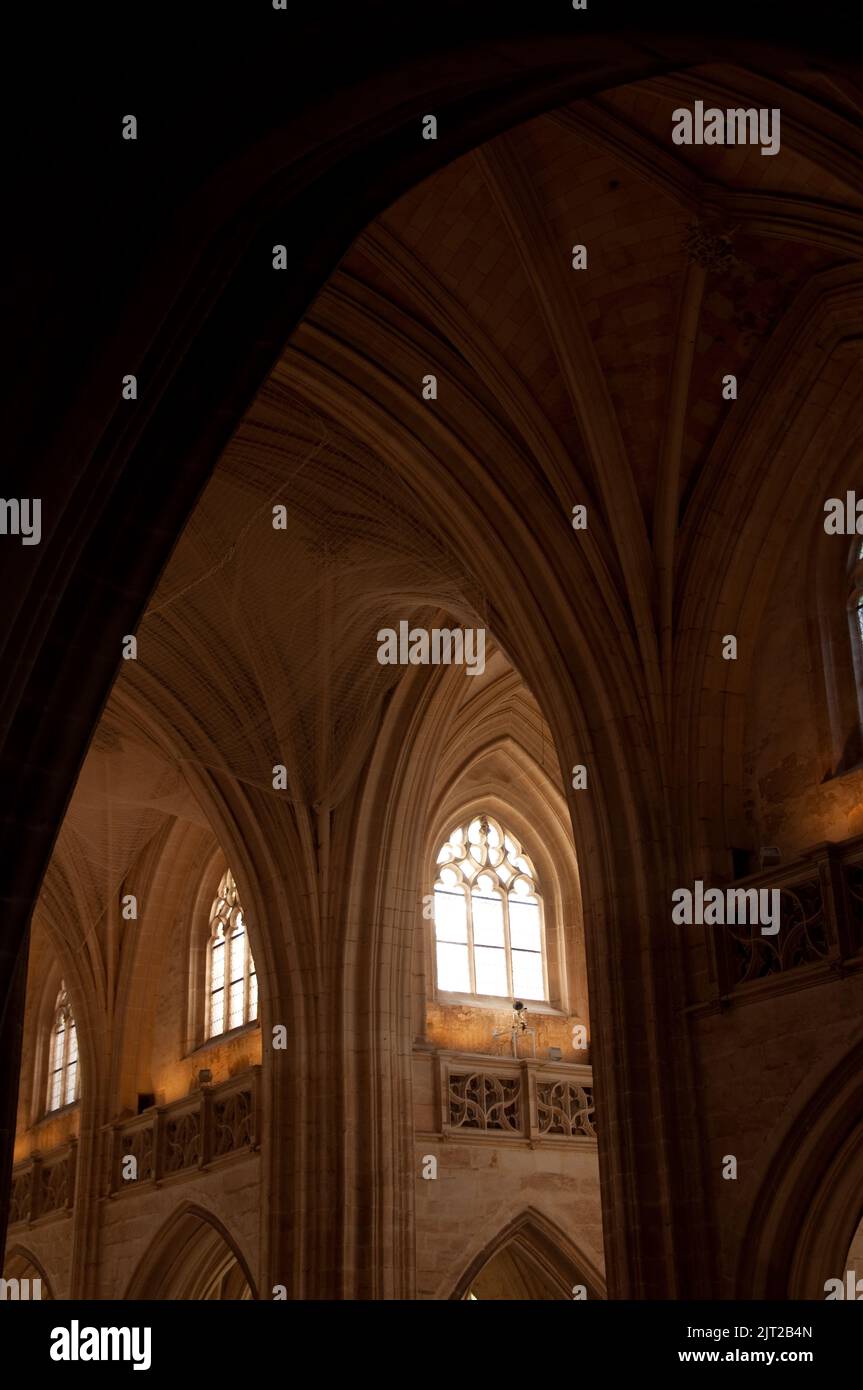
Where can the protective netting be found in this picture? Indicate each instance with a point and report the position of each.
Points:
(259, 647)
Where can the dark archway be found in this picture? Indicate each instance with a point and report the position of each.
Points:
(808, 1205)
(22, 1264)
(529, 1259)
(512, 1274)
(192, 1257)
(156, 259)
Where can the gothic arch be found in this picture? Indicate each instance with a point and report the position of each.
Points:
(74, 955)
(250, 825)
(555, 1260)
(537, 813)
(21, 1263)
(173, 885)
(733, 535)
(156, 468)
(536, 810)
(41, 1024)
(598, 699)
(808, 1203)
(193, 1256)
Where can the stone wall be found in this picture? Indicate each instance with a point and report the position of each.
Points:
(132, 1221)
(484, 1183)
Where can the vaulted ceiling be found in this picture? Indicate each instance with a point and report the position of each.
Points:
(556, 387)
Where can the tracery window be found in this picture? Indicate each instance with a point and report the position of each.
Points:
(232, 982)
(62, 1055)
(488, 920)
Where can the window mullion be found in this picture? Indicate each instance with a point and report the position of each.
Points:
(507, 944)
(208, 1000)
(64, 1063)
(208, 988)
(470, 957)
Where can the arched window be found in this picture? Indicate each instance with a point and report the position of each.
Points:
(488, 916)
(62, 1055)
(232, 984)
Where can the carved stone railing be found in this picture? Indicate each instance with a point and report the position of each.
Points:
(43, 1184)
(516, 1099)
(820, 924)
(187, 1135)
(565, 1107)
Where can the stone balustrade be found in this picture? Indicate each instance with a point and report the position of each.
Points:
(516, 1099)
(821, 924)
(189, 1134)
(43, 1184)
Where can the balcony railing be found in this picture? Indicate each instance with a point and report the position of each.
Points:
(513, 1099)
(188, 1134)
(821, 924)
(43, 1184)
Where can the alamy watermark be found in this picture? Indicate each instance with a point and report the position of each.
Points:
(849, 1288)
(844, 515)
(21, 516)
(719, 907)
(734, 126)
(76, 1343)
(437, 646)
(20, 1289)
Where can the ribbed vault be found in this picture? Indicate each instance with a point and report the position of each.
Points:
(258, 647)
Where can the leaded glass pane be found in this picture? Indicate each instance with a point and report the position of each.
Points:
(487, 920)
(490, 970)
(238, 955)
(450, 915)
(71, 1082)
(525, 931)
(453, 969)
(217, 965)
(235, 1008)
(217, 1012)
(527, 974)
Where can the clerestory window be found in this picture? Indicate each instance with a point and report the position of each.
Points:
(232, 982)
(488, 922)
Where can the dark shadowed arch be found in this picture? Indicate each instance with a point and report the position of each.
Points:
(548, 1259)
(193, 1256)
(809, 1201)
(21, 1263)
(163, 268)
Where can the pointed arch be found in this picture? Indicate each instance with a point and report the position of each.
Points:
(193, 1257)
(42, 1023)
(548, 1257)
(728, 566)
(495, 767)
(808, 1204)
(21, 1263)
(62, 1088)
